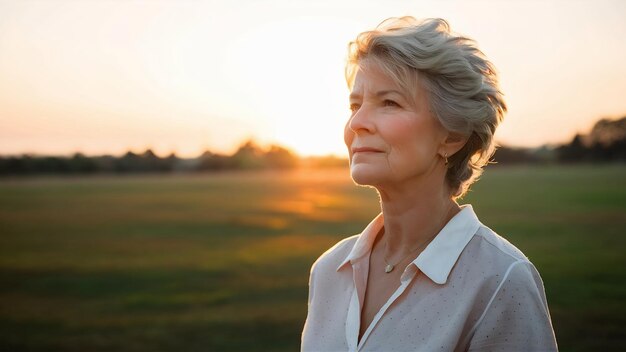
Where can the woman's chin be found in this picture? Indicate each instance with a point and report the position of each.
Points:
(364, 175)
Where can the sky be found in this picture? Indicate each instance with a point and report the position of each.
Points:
(105, 77)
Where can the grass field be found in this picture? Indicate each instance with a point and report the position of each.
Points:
(220, 262)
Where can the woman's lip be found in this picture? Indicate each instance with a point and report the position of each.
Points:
(365, 149)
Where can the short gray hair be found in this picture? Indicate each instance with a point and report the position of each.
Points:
(462, 84)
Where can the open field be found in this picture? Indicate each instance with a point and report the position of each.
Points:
(220, 262)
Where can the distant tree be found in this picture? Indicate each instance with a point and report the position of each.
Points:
(79, 163)
(607, 132)
(279, 157)
(151, 162)
(575, 151)
(149, 154)
(608, 140)
(209, 161)
(51, 164)
(507, 155)
(13, 165)
(248, 156)
(172, 161)
(105, 163)
(127, 163)
(605, 142)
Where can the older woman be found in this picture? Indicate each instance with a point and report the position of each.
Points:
(425, 274)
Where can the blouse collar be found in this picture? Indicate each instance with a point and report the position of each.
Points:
(438, 258)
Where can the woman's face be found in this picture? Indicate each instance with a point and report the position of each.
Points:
(391, 138)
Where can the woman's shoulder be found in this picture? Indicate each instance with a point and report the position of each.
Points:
(335, 255)
(492, 255)
(492, 242)
(493, 260)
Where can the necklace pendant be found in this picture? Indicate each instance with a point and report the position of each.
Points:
(388, 268)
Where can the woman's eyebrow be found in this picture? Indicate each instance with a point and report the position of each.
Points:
(377, 94)
(385, 92)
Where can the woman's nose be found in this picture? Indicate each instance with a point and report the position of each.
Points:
(361, 121)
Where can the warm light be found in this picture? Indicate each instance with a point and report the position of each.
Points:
(109, 76)
(292, 70)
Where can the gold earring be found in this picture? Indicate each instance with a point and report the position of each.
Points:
(445, 157)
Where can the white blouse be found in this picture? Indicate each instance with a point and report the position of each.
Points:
(469, 290)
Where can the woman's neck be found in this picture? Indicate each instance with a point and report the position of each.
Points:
(414, 213)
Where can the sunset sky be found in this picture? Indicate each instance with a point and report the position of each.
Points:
(184, 76)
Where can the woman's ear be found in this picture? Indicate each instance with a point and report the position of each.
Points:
(453, 143)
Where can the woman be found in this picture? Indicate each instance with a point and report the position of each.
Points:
(425, 274)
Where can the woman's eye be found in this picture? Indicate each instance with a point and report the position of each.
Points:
(388, 102)
(354, 107)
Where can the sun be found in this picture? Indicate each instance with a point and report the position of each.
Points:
(293, 72)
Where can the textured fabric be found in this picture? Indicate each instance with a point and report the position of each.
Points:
(469, 290)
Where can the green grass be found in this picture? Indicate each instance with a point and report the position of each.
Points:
(220, 262)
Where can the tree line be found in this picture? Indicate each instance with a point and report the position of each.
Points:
(249, 156)
(606, 142)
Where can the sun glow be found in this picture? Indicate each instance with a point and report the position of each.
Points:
(110, 76)
(292, 70)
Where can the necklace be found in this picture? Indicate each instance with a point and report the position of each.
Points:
(389, 268)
